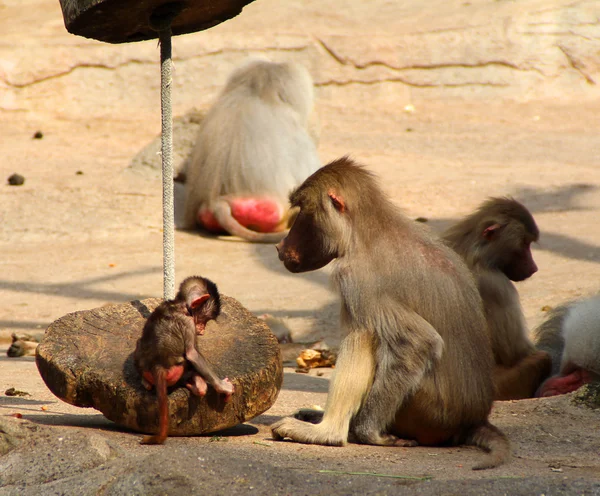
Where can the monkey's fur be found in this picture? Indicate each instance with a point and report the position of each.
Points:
(416, 363)
(253, 143)
(495, 243)
(571, 335)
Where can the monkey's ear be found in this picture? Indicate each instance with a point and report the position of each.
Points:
(196, 302)
(490, 232)
(338, 202)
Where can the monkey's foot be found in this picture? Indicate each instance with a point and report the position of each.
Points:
(197, 386)
(382, 439)
(146, 384)
(303, 432)
(406, 443)
(153, 440)
(309, 415)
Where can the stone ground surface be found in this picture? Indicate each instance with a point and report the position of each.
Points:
(506, 100)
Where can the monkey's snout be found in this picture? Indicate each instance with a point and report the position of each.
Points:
(279, 248)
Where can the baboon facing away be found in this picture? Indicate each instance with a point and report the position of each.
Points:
(252, 149)
(416, 363)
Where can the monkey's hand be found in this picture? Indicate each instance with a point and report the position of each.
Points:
(226, 388)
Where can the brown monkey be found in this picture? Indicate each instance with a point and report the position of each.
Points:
(495, 241)
(416, 363)
(168, 345)
(571, 335)
(252, 149)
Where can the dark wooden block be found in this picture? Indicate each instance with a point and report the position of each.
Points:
(122, 21)
(86, 359)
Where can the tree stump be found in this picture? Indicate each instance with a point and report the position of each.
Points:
(122, 21)
(86, 359)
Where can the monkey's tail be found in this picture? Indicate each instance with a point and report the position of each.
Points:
(163, 408)
(222, 212)
(492, 440)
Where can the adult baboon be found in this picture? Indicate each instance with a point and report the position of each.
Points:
(252, 149)
(416, 363)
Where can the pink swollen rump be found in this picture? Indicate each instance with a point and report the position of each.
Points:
(563, 384)
(172, 376)
(258, 214)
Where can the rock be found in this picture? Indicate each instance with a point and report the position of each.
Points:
(588, 395)
(16, 180)
(44, 455)
(14, 432)
(86, 359)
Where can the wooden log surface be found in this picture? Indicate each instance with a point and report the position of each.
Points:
(86, 359)
(121, 21)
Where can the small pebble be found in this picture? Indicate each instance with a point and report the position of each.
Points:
(79, 173)
(38, 135)
(16, 180)
(15, 392)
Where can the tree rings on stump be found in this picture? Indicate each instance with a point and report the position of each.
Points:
(86, 359)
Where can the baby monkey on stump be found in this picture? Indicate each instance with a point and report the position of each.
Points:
(168, 345)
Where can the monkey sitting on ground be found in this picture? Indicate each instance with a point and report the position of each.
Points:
(571, 335)
(495, 241)
(252, 149)
(168, 345)
(416, 363)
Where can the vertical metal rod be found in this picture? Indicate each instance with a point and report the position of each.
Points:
(164, 36)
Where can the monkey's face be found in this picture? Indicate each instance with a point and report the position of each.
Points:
(507, 248)
(304, 249)
(520, 265)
